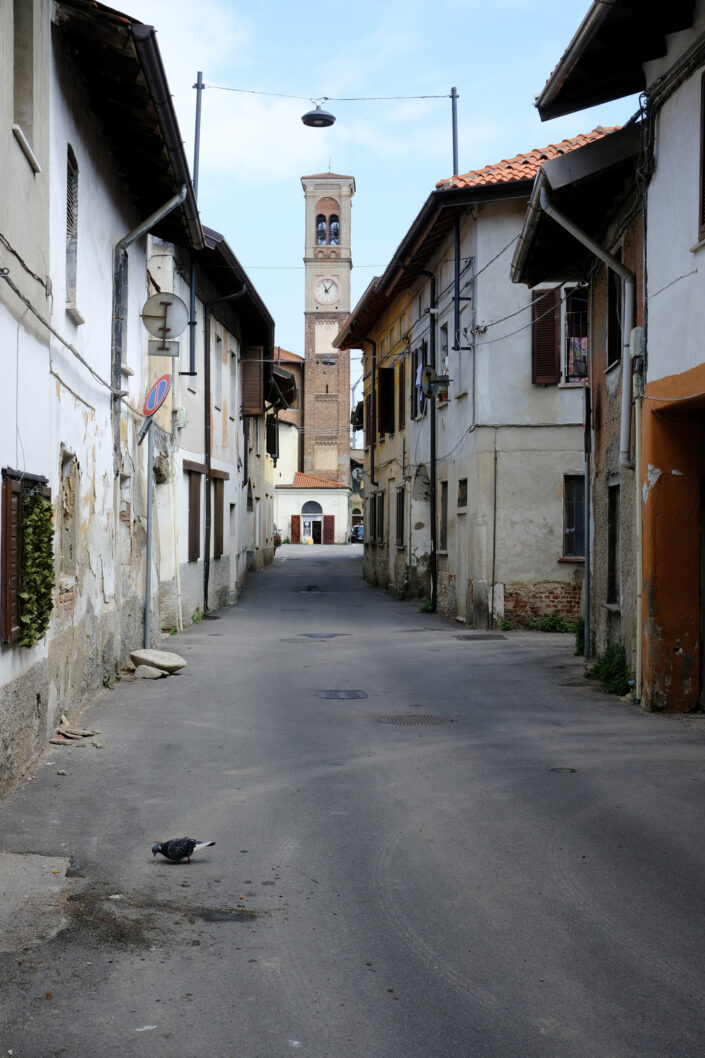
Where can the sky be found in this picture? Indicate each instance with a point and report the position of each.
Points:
(266, 63)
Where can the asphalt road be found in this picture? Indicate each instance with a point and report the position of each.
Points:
(479, 856)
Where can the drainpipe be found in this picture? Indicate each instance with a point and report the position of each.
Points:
(626, 414)
(627, 318)
(207, 430)
(119, 324)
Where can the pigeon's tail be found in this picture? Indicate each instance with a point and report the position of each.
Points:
(202, 845)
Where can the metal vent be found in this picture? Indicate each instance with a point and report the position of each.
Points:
(417, 720)
(341, 694)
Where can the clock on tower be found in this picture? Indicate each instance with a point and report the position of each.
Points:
(328, 263)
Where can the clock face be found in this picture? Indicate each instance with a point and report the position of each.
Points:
(326, 291)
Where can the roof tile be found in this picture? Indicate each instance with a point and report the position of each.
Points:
(313, 481)
(522, 166)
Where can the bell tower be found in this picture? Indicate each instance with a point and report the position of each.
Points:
(328, 263)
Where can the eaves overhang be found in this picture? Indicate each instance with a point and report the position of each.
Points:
(226, 276)
(591, 185)
(432, 227)
(605, 59)
(119, 63)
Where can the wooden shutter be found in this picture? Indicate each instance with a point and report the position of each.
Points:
(385, 401)
(252, 365)
(328, 528)
(401, 394)
(194, 516)
(546, 337)
(296, 529)
(273, 437)
(11, 558)
(218, 516)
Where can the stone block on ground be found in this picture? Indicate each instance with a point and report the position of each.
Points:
(159, 659)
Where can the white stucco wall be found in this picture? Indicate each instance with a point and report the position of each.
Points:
(333, 501)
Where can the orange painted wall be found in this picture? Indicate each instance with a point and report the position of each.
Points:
(670, 477)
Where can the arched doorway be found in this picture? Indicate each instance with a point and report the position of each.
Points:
(312, 521)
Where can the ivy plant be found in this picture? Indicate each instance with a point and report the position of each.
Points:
(37, 595)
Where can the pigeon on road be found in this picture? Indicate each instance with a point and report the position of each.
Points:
(179, 848)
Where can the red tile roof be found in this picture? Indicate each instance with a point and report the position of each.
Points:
(313, 481)
(287, 357)
(522, 166)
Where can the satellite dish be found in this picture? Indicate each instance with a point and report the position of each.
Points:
(428, 377)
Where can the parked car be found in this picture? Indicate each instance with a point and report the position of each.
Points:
(277, 534)
(358, 534)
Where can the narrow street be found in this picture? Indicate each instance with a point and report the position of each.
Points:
(475, 854)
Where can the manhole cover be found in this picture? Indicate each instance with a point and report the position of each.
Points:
(417, 720)
(481, 635)
(341, 694)
(564, 771)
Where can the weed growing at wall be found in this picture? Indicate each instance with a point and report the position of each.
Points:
(37, 595)
(611, 669)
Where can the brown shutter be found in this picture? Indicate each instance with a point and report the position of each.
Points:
(328, 528)
(385, 401)
(252, 365)
(295, 529)
(218, 516)
(11, 558)
(194, 517)
(546, 337)
(401, 394)
(273, 437)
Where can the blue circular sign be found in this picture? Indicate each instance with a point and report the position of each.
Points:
(157, 395)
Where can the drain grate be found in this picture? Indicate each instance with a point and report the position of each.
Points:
(417, 720)
(341, 694)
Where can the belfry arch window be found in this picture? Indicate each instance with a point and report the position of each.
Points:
(334, 230)
(321, 230)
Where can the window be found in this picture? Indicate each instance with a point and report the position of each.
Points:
(380, 516)
(462, 493)
(67, 514)
(418, 361)
(401, 494)
(576, 334)
(443, 528)
(573, 516)
(559, 335)
(546, 337)
(334, 230)
(614, 312)
(253, 381)
(23, 67)
(321, 230)
(385, 401)
(71, 227)
(232, 402)
(218, 388)
(401, 394)
(371, 527)
(20, 492)
(194, 515)
(613, 563)
(218, 516)
(368, 420)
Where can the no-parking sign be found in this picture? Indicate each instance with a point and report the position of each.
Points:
(157, 395)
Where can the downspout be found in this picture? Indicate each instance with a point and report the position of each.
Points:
(119, 323)
(627, 318)
(207, 434)
(626, 413)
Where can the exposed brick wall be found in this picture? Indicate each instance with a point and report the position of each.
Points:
(531, 601)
